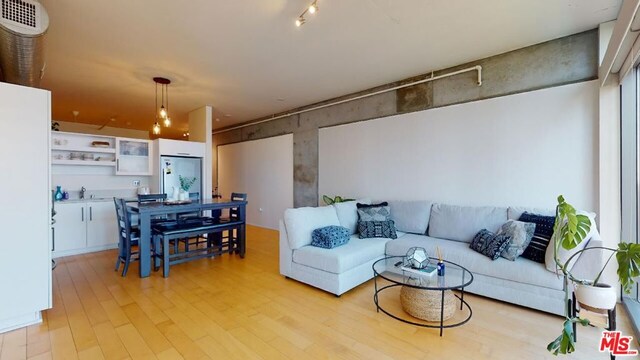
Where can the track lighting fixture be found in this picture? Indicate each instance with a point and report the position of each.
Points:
(312, 9)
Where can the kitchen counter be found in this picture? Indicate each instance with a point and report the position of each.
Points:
(97, 199)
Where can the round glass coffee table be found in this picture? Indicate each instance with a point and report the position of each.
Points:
(426, 297)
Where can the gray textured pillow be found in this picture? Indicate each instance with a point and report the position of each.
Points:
(374, 212)
(521, 233)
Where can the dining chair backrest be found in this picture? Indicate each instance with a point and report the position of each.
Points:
(234, 213)
(142, 198)
(124, 223)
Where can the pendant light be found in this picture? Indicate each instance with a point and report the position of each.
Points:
(163, 112)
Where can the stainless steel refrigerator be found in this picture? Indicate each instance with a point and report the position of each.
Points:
(174, 167)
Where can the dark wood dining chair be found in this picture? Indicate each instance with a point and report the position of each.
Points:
(127, 237)
(231, 237)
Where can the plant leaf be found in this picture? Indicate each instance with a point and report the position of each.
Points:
(338, 199)
(628, 257)
(327, 200)
(563, 344)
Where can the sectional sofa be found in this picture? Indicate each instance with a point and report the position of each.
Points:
(428, 225)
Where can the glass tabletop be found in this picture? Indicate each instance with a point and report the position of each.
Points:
(391, 269)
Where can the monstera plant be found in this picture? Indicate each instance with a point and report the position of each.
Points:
(337, 199)
(570, 230)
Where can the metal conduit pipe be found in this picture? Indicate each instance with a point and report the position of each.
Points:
(477, 68)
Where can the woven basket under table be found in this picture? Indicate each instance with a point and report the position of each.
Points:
(425, 304)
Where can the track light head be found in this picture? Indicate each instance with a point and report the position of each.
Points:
(313, 8)
(300, 21)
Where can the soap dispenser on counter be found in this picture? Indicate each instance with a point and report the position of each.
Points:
(58, 196)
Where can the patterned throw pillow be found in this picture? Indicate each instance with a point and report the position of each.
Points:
(374, 212)
(489, 244)
(377, 229)
(541, 236)
(329, 237)
(520, 233)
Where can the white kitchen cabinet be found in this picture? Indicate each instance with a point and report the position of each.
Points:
(133, 157)
(102, 229)
(180, 148)
(70, 228)
(83, 227)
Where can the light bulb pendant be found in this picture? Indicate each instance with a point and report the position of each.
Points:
(167, 122)
(163, 112)
(156, 128)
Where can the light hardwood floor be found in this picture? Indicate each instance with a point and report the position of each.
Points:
(229, 308)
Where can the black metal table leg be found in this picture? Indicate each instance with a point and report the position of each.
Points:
(612, 324)
(461, 298)
(442, 313)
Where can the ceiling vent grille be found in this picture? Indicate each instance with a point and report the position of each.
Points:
(20, 12)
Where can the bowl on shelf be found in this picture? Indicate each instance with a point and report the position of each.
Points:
(88, 156)
(75, 156)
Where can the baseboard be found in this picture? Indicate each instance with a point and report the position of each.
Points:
(59, 254)
(20, 321)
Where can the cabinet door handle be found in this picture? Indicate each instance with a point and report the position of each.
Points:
(181, 153)
(117, 164)
(82, 214)
(53, 238)
(90, 213)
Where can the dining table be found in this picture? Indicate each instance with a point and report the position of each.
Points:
(147, 211)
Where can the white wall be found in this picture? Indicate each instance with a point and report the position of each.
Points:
(264, 170)
(522, 149)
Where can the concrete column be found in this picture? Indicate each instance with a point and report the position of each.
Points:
(200, 128)
(305, 168)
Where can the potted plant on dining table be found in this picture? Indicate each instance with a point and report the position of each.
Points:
(570, 230)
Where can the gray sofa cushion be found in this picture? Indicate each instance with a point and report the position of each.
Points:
(462, 223)
(301, 222)
(522, 270)
(411, 216)
(348, 213)
(341, 259)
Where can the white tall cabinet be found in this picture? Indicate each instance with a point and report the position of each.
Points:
(25, 209)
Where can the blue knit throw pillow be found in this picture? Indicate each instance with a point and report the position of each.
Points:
(330, 237)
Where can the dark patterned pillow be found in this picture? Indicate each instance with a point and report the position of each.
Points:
(374, 212)
(329, 237)
(487, 243)
(541, 236)
(377, 229)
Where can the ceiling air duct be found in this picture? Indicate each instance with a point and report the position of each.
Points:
(22, 26)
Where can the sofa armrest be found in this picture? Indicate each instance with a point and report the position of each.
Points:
(286, 254)
(591, 261)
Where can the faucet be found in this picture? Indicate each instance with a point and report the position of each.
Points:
(82, 191)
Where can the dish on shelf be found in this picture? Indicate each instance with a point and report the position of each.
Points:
(60, 142)
(87, 156)
(101, 144)
(75, 156)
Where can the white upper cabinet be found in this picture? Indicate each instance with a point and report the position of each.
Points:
(169, 147)
(133, 157)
